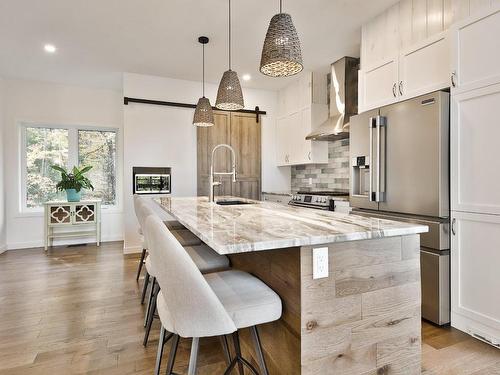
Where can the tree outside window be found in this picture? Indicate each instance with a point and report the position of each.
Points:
(46, 146)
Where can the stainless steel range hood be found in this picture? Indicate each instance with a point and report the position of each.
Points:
(342, 101)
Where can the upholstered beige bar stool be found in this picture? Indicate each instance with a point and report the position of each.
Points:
(205, 259)
(170, 224)
(192, 305)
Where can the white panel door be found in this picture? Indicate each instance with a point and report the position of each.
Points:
(305, 90)
(282, 141)
(476, 51)
(475, 146)
(425, 67)
(294, 139)
(380, 84)
(475, 274)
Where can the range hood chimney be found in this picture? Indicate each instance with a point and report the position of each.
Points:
(342, 101)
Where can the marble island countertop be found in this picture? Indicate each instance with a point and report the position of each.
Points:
(264, 225)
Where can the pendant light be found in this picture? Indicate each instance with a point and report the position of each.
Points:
(229, 95)
(203, 115)
(281, 54)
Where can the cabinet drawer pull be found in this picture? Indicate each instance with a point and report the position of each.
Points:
(394, 90)
(453, 226)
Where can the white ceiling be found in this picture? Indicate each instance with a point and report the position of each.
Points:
(99, 39)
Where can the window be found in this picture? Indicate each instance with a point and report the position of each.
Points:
(44, 146)
(98, 148)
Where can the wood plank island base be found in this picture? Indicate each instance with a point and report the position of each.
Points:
(364, 318)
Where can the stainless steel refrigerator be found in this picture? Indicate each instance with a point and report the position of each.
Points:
(400, 170)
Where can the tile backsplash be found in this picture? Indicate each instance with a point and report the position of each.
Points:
(334, 175)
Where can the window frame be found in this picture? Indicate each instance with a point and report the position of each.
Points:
(73, 156)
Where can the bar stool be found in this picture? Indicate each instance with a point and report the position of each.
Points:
(205, 259)
(191, 305)
(170, 224)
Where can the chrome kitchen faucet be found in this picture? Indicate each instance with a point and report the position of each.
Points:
(211, 181)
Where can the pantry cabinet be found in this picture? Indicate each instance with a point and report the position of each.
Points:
(302, 107)
(475, 181)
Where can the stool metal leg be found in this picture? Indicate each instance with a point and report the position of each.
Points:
(171, 356)
(237, 350)
(145, 287)
(151, 313)
(150, 300)
(258, 350)
(225, 348)
(239, 360)
(141, 262)
(193, 358)
(159, 353)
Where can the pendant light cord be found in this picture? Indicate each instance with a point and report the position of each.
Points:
(229, 34)
(281, 6)
(203, 70)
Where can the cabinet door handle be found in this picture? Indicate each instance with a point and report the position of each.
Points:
(453, 226)
(309, 155)
(453, 75)
(401, 88)
(394, 89)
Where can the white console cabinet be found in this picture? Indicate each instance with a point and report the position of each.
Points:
(72, 219)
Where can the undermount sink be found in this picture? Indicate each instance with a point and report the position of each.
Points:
(234, 202)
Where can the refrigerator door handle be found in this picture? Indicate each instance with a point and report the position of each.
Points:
(380, 121)
(371, 125)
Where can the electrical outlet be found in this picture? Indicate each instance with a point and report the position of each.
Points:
(320, 262)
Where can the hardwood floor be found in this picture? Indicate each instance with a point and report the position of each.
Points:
(76, 310)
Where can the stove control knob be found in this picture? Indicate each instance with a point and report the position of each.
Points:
(324, 200)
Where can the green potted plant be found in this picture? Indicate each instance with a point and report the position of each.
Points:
(73, 182)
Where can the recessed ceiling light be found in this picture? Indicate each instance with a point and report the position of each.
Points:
(246, 77)
(50, 48)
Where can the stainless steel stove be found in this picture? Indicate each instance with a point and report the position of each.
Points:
(323, 200)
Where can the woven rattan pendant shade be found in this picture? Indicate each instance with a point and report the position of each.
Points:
(229, 94)
(281, 54)
(203, 114)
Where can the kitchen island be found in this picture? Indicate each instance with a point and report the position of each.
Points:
(363, 318)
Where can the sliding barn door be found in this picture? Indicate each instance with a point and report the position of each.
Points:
(243, 133)
(245, 137)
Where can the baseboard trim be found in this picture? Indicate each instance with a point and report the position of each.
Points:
(35, 244)
(3, 249)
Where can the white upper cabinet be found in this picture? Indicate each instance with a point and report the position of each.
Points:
(302, 108)
(475, 55)
(425, 67)
(378, 85)
(406, 51)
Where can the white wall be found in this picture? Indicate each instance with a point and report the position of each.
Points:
(165, 136)
(2, 185)
(29, 101)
